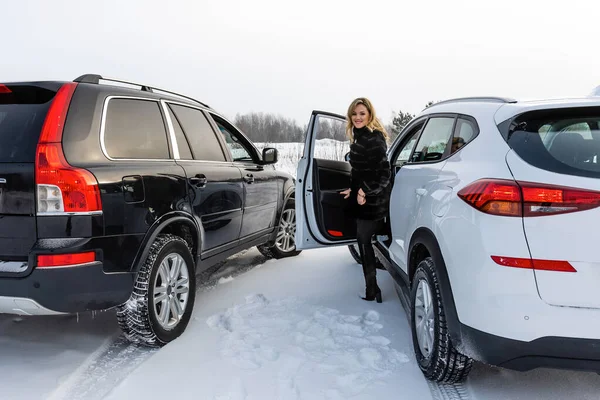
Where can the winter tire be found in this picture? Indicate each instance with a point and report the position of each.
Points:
(285, 242)
(436, 355)
(162, 300)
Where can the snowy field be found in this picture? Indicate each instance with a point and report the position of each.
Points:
(290, 153)
(290, 329)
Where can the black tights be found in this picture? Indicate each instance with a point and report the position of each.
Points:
(365, 230)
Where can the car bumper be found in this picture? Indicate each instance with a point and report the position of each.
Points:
(544, 352)
(64, 290)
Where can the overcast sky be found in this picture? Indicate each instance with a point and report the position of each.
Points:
(290, 57)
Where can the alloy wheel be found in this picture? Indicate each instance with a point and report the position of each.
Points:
(286, 235)
(171, 290)
(424, 318)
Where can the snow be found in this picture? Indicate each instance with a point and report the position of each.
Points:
(225, 280)
(292, 329)
(290, 153)
(281, 329)
(39, 353)
(318, 342)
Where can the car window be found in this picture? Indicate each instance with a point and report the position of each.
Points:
(185, 152)
(203, 141)
(135, 129)
(565, 141)
(464, 132)
(331, 142)
(543, 131)
(582, 128)
(239, 150)
(403, 155)
(22, 114)
(434, 140)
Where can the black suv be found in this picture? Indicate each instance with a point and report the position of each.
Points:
(114, 196)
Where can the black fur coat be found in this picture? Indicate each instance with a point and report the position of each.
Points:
(371, 173)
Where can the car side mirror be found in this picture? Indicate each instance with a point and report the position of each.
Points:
(269, 155)
(347, 157)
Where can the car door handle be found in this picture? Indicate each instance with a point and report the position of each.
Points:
(198, 181)
(421, 192)
(249, 178)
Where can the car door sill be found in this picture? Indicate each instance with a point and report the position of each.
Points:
(220, 253)
(402, 285)
(252, 236)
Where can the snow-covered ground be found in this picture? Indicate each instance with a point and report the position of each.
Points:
(290, 153)
(285, 329)
(38, 354)
(289, 329)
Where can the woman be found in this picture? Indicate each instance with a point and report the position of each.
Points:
(370, 184)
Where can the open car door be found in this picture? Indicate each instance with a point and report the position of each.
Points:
(321, 175)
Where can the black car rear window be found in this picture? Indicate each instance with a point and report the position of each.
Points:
(23, 111)
(135, 130)
(565, 141)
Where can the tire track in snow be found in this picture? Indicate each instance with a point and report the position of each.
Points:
(103, 370)
(455, 391)
(116, 358)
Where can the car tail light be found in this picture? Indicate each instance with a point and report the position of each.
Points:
(62, 188)
(4, 89)
(526, 199)
(65, 260)
(542, 199)
(498, 197)
(540, 265)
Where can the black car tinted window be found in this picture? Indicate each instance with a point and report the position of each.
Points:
(203, 141)
(23, 111)
(240, 151)
(135, 129)
(565, 141)
(185, 153)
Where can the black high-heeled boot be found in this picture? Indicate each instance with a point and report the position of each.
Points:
(372, 291)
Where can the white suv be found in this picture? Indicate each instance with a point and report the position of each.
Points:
(492, 231)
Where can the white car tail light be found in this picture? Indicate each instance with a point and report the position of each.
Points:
(526, 199)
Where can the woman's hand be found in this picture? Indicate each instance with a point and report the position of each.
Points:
(360, 197)
(346, 193)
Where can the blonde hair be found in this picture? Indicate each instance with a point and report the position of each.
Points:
(373, 124)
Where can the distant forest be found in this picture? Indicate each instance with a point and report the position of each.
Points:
(272, 128)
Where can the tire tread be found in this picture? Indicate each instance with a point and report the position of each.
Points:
(449, 365)
(133, 316)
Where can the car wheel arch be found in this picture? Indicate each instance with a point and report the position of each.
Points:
(289, 192)
(424, 244)
(176, 223)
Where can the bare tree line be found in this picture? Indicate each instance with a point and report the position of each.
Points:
(271, 128)
(266, 127)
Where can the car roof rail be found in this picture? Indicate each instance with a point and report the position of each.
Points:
(476, 99)
(95, 79)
